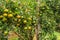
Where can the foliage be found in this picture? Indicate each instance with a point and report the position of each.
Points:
(18, 16)
(49, 17)
(21, 17)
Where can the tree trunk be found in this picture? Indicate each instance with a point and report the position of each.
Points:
(37, 28)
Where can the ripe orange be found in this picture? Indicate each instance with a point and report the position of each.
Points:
(29, 27)
(5, 10)
(21, 16)
(29, 18)
(10, 15)
(18, 24)
(1, 16)
(6, 32)
(25, 21)
(19, 20)
(5, 14)
(25, 28)
(18, 16)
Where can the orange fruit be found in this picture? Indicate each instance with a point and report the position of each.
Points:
(29, 18)
(6, 10)
(10, 15)
(29, 27)
(21, 16)
(25, 21)
(1, 16)
(18, 24)
(5, 32)
(5, 14)
(19, 20)
(18, 16)
(25, 28)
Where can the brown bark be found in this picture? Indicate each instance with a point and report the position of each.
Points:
(37, 28)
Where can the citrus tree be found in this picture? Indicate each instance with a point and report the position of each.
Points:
(17, 16)
(21, 17)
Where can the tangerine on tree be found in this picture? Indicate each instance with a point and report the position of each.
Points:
(18, 16)
(10, 15)
(18, 24)
(5, 32)
(25, 28)
(22, 17)
(1, 16)
(25, 21)
(5, 14)
(29, 18)
(5, 10)
(19, 20)
(29, 27)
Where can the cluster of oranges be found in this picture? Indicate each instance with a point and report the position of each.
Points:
(5, 14)
(16, 18)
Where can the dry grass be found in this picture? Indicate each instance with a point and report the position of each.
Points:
(12, 36)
